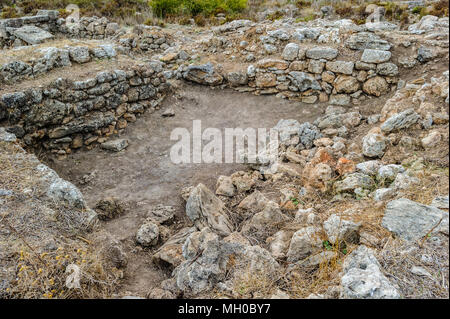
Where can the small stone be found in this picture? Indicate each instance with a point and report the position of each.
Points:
(115, 145)
(108, 208)
(225, 186)
(148, 234)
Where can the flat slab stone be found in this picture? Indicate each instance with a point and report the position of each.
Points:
(410, 220)
(115, 145)
(32, 34)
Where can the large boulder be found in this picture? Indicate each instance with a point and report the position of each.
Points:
(411, 221)
(363, 279)
(210, 260)
(204, 209)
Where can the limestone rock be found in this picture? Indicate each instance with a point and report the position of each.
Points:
(225, 186)
(304, 243)
(400, 121)
(148, 234)
(32, 34)
(203, 74)
(115, 145)
(363, 279)
(374, 144)
(410, 220)
(375, 56)
(204, 209)
(376, 86)
(339, 230)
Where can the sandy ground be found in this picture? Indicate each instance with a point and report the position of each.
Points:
(143, 175)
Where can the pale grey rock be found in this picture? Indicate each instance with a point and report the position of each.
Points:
(304, 81)
(367, 40)
(6, 137)
(339, 230)
(287, 129)
(304, 242)
(354, 181)
(79, 54)
(440, 202)
(410, 220)
(389, 172)
(148, 234)
(362, 277)
(340, 99)
(400, 121)
(115, 145)
(290, 52)
(374, 145)
(204, 209)
(32, 34)
(344, 67)
(382, 194)
(404, 181)
(262, 224)
(424, 54)
(203, 74)
(308, 133)
(322, 53)
(387, 69)
(161, 214)
(65, 192)
(270, 48)
(375, 56)
(279, 243)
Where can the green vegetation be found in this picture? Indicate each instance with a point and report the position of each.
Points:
(166, 8)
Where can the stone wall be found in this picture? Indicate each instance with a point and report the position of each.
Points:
(143, 37)
(317, 73)
(51, 58)
(68, 114)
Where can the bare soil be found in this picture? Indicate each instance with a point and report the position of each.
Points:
(143, 175)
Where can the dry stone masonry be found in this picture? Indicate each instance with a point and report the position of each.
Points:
(71, 114)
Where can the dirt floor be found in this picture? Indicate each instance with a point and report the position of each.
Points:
(143, 175)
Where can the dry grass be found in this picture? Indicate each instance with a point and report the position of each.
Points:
(44, 275)
(397, 259)
(31, 228)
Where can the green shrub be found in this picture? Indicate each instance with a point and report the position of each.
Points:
(193, 8)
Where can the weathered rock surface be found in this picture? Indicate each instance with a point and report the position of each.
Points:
(204, 209)
(362, 277)
(411, 221)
